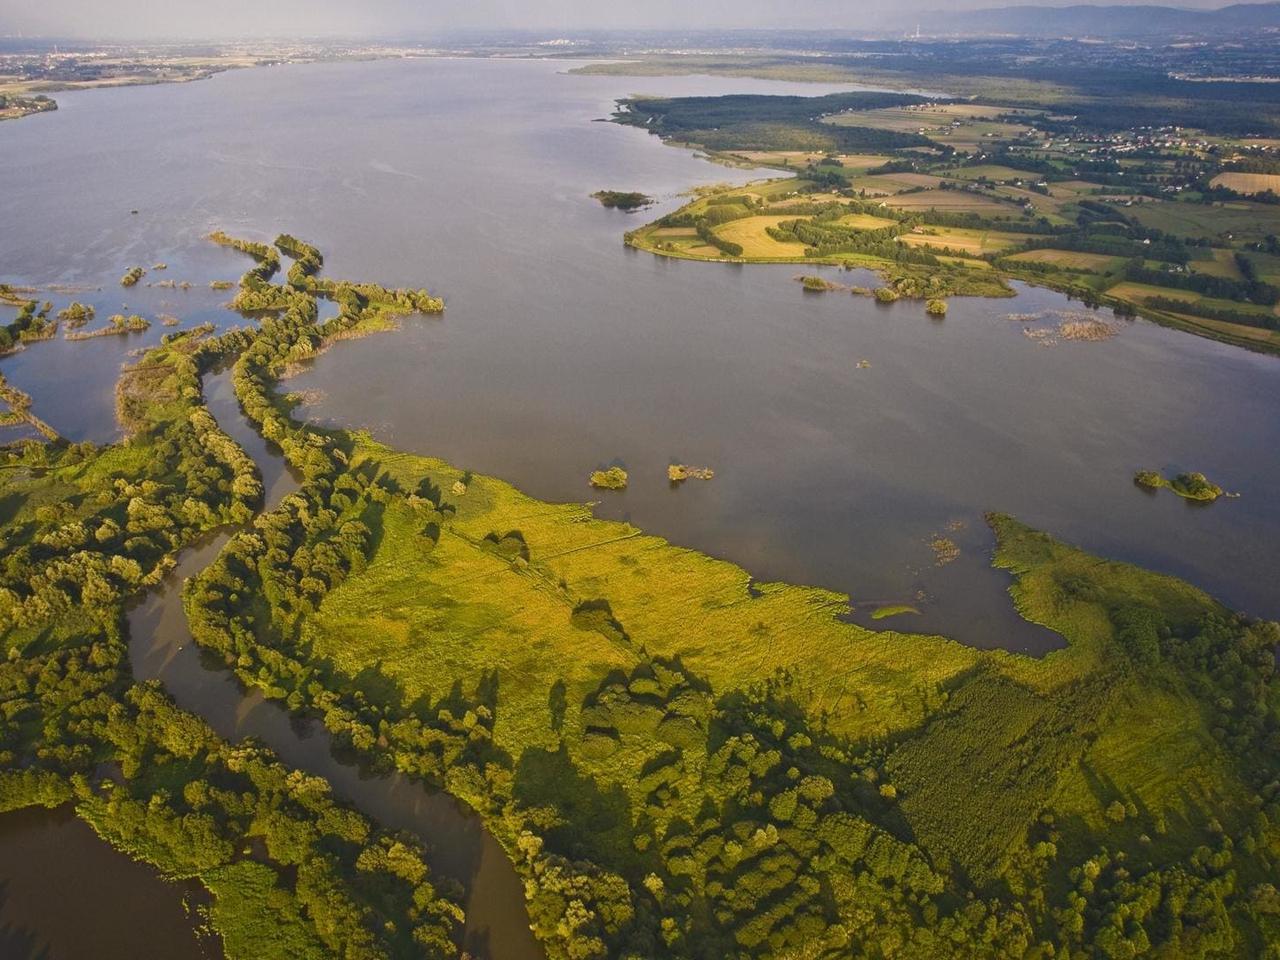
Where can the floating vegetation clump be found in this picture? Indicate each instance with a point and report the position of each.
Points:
(679, 473)
(945, 550)
(1090, 329)
(1075, 325)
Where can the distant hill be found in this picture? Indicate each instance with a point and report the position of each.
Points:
(1100, 21)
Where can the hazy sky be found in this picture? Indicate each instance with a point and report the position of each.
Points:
(223, 18)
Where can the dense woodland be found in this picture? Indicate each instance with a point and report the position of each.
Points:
(760, 122)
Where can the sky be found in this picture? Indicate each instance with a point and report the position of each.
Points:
(424, 18)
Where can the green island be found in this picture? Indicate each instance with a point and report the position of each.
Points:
(1189, 486)
(1172, 216)
(679, 762)
(622, 200)
(892, 610)
(816, 284)
(117, 325)
(614, 478)
(31, 324)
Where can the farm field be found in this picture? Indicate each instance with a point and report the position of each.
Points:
(961, 201)
(1231, 221)
(1216, 262)
(755, 241)
(962, 126)
(1248, 182)
(1069, 259)
(975, 242)
(885, 184)
(865, 221)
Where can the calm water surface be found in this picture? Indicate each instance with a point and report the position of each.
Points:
(54, 868)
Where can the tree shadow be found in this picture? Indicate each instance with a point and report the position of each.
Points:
(596, 824)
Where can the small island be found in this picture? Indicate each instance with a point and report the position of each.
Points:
(132, 277)
(678, 473)
(893, 610)
(118, 324)
(816, 284)
(1189, 486)
(626, 201)
(615, 478)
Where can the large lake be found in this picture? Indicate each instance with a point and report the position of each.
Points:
(562, 351)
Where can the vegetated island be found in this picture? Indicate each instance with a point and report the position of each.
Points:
(1189, 486)
(677, 763)
(955, 197)
(678, 473)
(117, 325)
(614, 478)
(893, 610)
(816, 284)
(620, 200)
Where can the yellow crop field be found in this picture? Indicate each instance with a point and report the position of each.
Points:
(1248, 182)
(752, 234)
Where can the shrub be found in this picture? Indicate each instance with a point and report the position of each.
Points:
(615, 478)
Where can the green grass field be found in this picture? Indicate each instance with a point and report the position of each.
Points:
(1236, 221)
(969, 241)
(952, 201)
(1092, 262)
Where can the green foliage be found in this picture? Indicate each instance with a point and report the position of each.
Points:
(614, 478)
(678, 765)
(622, 200)
(293, 872)
(755, 122)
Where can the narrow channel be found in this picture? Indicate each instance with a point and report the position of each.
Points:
(161, 648)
